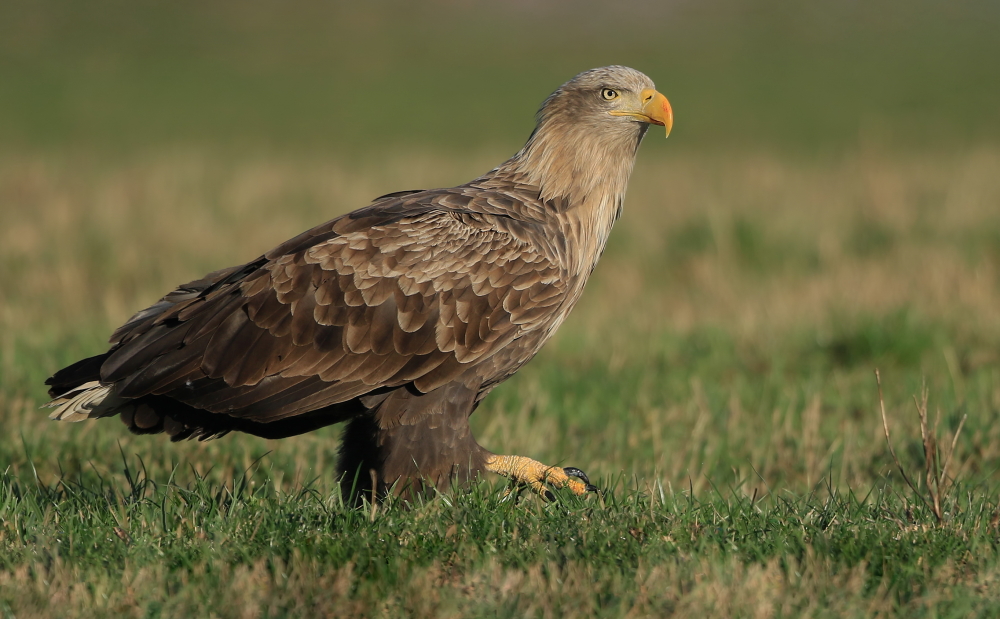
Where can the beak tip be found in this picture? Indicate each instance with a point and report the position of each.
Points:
(668, 116)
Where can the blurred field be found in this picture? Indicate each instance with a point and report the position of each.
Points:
(828, 204)
(732, 326)
(738, 312)
(111, 75)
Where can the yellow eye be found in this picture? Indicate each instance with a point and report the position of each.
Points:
(608, 94)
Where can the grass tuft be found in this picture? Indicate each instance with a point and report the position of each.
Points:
(938, 485)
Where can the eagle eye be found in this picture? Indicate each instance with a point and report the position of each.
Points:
(609, 94)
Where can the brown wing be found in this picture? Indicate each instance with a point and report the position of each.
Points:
(415, 290)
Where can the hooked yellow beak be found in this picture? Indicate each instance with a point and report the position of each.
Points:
(656, 110)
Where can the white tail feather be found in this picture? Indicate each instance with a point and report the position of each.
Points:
(88, 401)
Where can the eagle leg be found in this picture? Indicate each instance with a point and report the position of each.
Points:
(536, 475)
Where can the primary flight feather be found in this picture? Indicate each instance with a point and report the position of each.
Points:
(398, 318)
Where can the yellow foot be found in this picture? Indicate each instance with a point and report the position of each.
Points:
(535, 474)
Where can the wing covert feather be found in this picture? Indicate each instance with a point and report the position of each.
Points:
(416, 289)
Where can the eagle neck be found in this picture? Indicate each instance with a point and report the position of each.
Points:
(581, 174)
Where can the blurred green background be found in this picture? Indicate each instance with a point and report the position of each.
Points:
(827, 204)
(805, 76)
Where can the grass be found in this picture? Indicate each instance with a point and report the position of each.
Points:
(716, 378)
(246, 549)
(825, 206)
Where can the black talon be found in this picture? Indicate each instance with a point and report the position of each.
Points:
(575, 472)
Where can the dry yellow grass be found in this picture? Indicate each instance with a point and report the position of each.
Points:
(105, 237)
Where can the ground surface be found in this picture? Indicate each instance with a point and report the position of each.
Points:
(716, 380)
